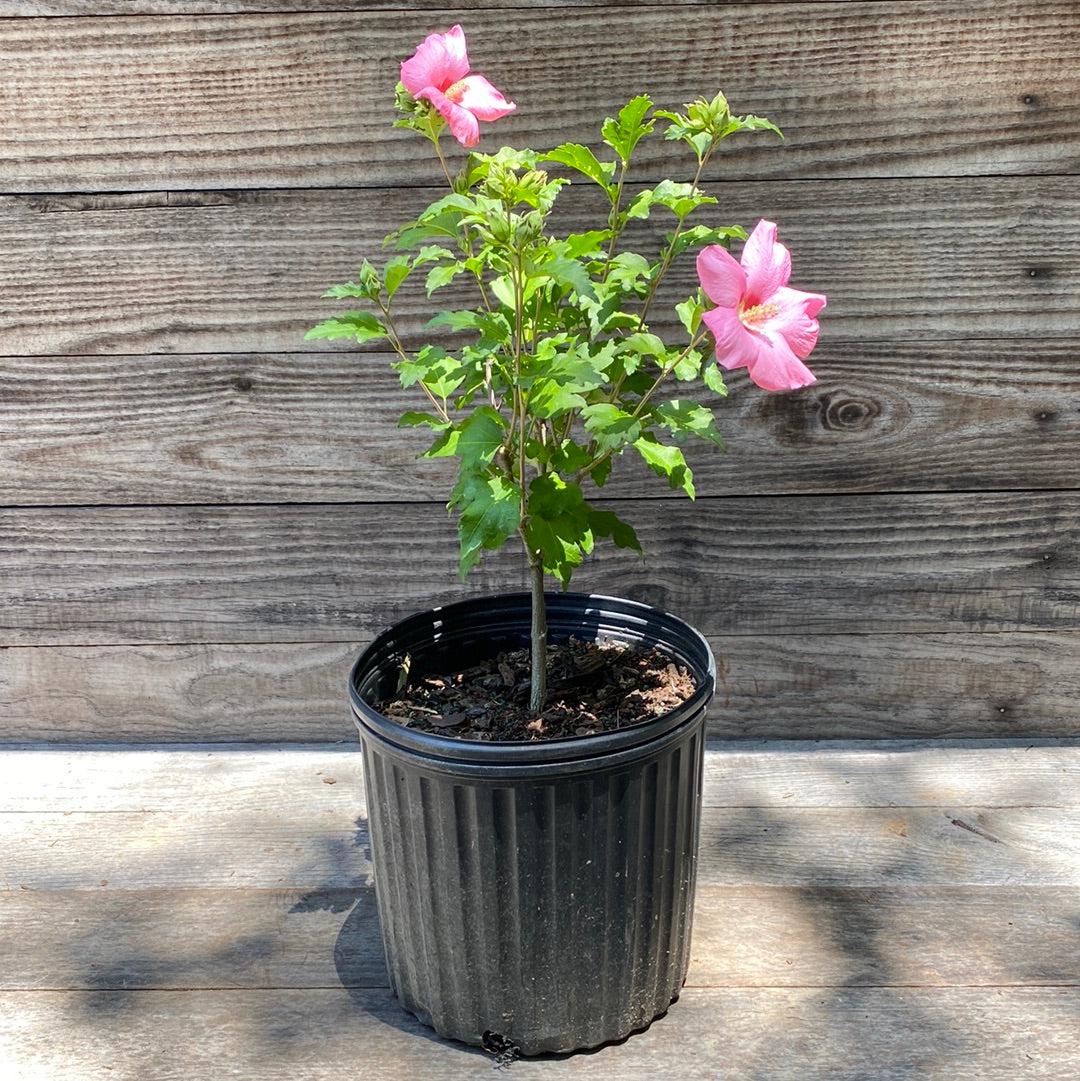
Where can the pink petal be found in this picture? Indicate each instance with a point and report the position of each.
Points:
(776, 367)
(795, 321)
(440, 61)
(462, 123)
(767, 264)
(477, 95)
(736, 346)
(723, 280)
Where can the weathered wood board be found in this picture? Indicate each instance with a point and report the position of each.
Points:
(182, 180)
(206, 272)
(223, 428)
(241, 847)
(69, 8)
(226, 891)
(744, 936)
(869, 686)
(790, 1034)
(271, 100)
(313, 778)
(770, 565)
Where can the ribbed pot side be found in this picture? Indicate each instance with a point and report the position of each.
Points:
(535, 895)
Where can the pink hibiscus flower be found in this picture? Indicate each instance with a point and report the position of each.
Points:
(439, 72)
(758, 322)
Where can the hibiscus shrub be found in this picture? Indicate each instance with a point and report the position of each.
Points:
(554, 372)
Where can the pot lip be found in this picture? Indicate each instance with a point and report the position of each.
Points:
(615, 614)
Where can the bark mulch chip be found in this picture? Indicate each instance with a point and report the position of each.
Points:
(592, 687)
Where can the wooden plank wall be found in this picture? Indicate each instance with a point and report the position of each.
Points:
(203, 517)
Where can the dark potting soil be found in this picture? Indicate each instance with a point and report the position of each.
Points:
(592, 687)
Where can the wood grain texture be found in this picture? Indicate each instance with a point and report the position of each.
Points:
(242, 272)
(234, 900)
(317, 779)
(771, 846)
(303, 427)
(276, 819)
(805, 1034)
(828, 686)
(836, 686)
(869, 89)
(793, 565)
(744, 936)
(68, 8)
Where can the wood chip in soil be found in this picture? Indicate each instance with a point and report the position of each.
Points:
(592, 687)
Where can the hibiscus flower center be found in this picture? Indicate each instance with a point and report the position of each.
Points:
(755, 316)
(456, 91)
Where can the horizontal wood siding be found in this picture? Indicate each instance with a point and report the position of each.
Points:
(301, 100)
(203, 517)
(242, 272)
(771, 565)
(953, 685)
(222, 427)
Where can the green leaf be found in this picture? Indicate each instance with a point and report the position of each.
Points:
(431, 253)
(689, 313)
(684, 419)
(600, 472)
(666, 461)
(590, 243)
(751, 123)
(441, 275)
(640, 206)
(360, 326)
(481, 436)
(570, 272)
(610, 426)
(490, 513)
(714, 379)
(605, 523)
(702, 126)
(704, 234)
(366, 286)
(680, 199)
(444, 445)
(550, 399)
(348, 290)
(582, 160)
(502, 288)
(460, 320)
(429, 362)
(688, 367)
(630, 272)
(433, 227)
(557, 380)
(645, 344)
(570, 457)
(397, 270)
(557, 525)
(623, 133)
(427, 420)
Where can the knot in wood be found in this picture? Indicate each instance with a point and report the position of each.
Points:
(848, 414)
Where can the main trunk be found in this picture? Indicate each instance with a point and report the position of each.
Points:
(539, 634)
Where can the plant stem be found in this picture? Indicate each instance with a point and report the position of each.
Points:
(538, 637)
(670, 250)
(442, 160)
(395, 341)
(613, 218)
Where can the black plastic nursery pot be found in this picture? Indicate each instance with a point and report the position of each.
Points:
(533, 895)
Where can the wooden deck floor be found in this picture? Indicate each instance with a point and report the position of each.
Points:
(866, 911)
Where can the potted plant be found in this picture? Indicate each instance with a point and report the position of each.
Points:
(533, 761)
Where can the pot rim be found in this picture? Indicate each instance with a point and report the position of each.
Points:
(613, 617)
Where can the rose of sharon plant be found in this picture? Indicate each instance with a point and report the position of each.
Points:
(552, 371)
